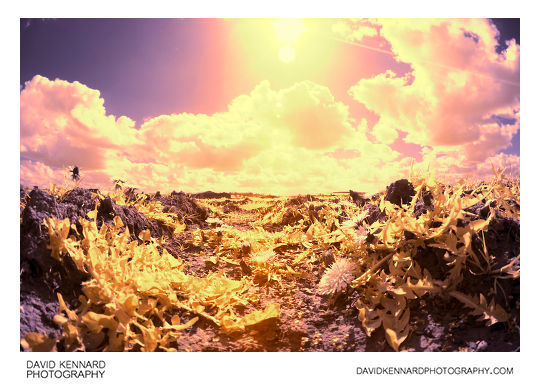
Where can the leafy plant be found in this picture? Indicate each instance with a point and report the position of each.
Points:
(139, 297)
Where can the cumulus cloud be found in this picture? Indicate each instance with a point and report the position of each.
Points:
(65, 123)
(460, 102)
(454, 166)
(457, 84)
(281, 141)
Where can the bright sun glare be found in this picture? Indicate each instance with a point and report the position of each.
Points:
(286, 53)
(287, 31)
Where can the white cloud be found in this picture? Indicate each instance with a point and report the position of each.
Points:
(279, 141)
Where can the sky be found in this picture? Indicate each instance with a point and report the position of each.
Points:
(282, 106)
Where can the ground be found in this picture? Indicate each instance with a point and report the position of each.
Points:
(420, 267)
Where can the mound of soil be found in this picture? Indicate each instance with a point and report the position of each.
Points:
(400, 191)
(300, 200)
(130, 216)
(42, 277)
(423, 204)
(211, 195)
(358, 198)
(229, 207)
(185, 207)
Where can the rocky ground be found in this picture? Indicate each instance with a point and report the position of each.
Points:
(308, 320)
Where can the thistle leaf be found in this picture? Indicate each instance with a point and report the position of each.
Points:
(395, 320)
(369, 316)
(491, 313)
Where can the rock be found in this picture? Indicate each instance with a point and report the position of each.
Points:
(41, 276)
(503, 240)
(37, 312)
(230, 207)
(34, 234)
(400, 192)
(291, 217)
(425, 342)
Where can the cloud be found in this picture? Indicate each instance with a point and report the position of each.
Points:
(65, 123)
(454, 166)
(460, 104)
(349, 30)
(457, 83)
(281, 141)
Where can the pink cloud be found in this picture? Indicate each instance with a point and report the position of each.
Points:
(279, 141)
(65, 123)
(298, 139)
(458, 81)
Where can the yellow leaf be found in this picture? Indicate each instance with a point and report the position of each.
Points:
(116, 342)
(59, 319)
(177, 326)
(58, 232)
(145, 236)
(491, 313)
(38, 342)
(130, 304)
(118, 222)
(92, 214)
(271, 311)
(395, 320)
(396, 328)
(369, 317)
(96, 322)
(63, 307)
(212, 259)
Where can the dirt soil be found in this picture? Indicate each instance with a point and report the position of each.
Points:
(308, 320)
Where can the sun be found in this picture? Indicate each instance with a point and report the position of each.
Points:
(286, 53)
(287, 32)
(283, 51)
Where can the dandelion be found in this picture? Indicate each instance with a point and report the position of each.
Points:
(356, 224)
(337, 276)
(262, 257)
(214, 221)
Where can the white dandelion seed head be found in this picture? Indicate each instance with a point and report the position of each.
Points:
(262, 257)
(355, 222)
(214, 221)
(337, 276)
(361, 235)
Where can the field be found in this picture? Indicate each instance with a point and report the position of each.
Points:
(421, 266)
